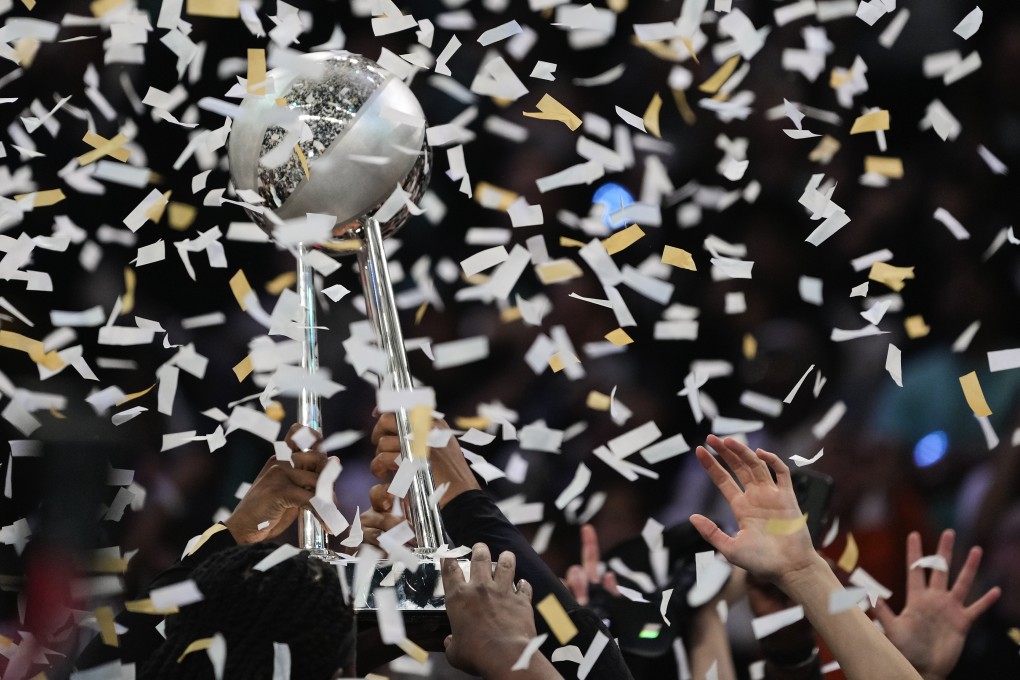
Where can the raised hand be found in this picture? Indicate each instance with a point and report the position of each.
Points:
(581, 577)
(491, 622)
(932, 628)
(773, 541)
(448, 464)
(279, 491)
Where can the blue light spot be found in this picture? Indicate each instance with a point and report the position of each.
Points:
(614, 197)
(930, 449)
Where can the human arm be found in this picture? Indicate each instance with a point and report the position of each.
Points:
(933, 626)
(790, 653)
(773, 543)
(491, 622)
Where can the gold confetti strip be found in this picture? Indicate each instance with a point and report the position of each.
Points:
(219, 9)
(556, 618)
(828, 147)
(785, 527)
(134, 396)
(29, 4)
(506, 197)
(155, 212)
(597, 401)
(180, 215)
(1014, 635)
(127, 301)
(419, 314)
(343, 245)
(558, 271)
(891, 276)
(303, 160)
(974, 394)
(916, 327)
(885, 166)
(108, 565)
(690, 48)
(477, 422)
(25, 51)
(617, 6)
(244, 368)
(57, 414)
(241, 288)
(33, 348)
(413, 651)
(256, 71)
(651, 117)
(41, 199)
(101, 7)
(848, 560)
(146, 607)
(511, 314)
(281, 283)
(104, 147)
(275, 411)
(568, 242)
(686, 112)
(719, 78)
(623, 239)
(421, 422)
(557, 362)
(750, 347)
(619, 337)
(107, 628)
(196, 646)
(550, 109)
(206, 535)
(871, 122)
(678, 257)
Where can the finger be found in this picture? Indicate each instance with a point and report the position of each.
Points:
(783, 478)
(506, 567)
(611, 585)
(940, 579)
(386, 425)
(577, 583)
(733, 461)
(590, 556)
(297, 427)
(884, 614)
(388, 443)
(915, 577)
(305, 479)
(453, 577)
(481, 563)
(965, 580)
(525, 589)
(715, 536)
(379, 520)
(291, 496)
(759, 471)
(370, 536)
(984, 603)
(722, 479)
(382, 500)
(312, 460)
(384, 465)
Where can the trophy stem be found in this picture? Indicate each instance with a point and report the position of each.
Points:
(312, 534)
(382, 310)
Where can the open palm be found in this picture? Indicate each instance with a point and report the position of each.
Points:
(932, 628)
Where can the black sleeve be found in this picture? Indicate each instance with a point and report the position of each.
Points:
(473, 517)
(142, 638)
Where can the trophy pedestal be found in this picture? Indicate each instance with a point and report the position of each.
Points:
(419, 593)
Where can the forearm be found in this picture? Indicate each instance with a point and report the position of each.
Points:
(862, 651)
(500, 668)
(708, 644)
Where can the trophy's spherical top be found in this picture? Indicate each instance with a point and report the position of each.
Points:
(336, 136)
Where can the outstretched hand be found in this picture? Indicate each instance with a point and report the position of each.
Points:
(279, 491)
(932, 628)
(773, 541)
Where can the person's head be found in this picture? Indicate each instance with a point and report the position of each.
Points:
(297, 602)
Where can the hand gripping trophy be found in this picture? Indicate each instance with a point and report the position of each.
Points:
(336, 134)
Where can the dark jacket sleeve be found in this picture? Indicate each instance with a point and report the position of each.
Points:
(142, 638)
(473, 517)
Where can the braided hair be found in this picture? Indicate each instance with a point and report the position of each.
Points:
(297, 602)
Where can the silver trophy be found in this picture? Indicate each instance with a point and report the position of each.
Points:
(336, 134)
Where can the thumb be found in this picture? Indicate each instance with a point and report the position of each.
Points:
(711, 532)
(447, 641)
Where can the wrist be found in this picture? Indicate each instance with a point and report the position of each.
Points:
(804, 577)
(501, 655)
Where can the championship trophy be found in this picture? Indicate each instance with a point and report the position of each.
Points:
(336, 134)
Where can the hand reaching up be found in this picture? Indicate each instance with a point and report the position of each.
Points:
(581, 577)
(931, 629)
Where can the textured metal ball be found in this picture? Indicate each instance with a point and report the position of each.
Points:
(335, 136)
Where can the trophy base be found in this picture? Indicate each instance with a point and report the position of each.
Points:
(325, 554)
(419, 593)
